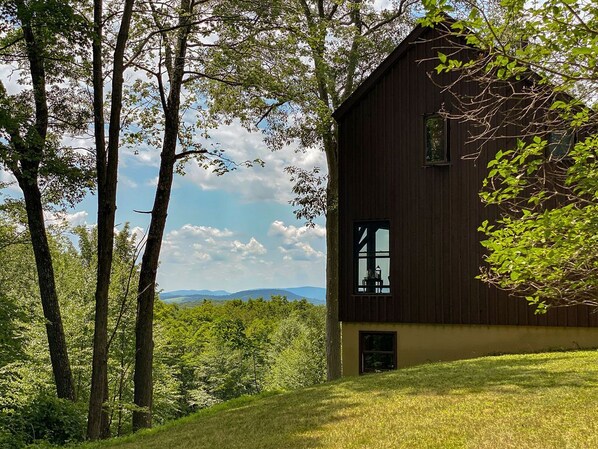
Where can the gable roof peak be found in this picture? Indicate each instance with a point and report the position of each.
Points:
(412, 38)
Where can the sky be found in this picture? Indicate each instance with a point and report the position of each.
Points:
(232, 232)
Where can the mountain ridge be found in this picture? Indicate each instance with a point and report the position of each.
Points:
(315, 295)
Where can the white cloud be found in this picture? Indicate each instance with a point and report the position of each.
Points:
(292, 233)
(200, 232)
(294, 240)
(12, 186)
(125, 181)
(139, 233)
(10, 76)
(142, 155)
(218, 258)
(61, 218)
(152, 182)
(251, 249)
(268, 183)
(197, 244)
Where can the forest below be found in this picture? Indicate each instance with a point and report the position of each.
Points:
(203, 355)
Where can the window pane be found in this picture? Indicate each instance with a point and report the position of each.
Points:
(382, 240)
(372, 257)
(435, 140)
(376, 280)
(559, 143)
(378, 342)
(377, 351)
(378, 362)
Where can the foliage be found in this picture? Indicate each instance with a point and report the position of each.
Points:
(535, 65)
(204, 355)
(43, 41)
(487, 402)
(27, 372)
(60, 34)
(298, 353)
(290, 64)
(148, 98)
(11, 318)
(220, 351)
(310, 193)
(45, 419)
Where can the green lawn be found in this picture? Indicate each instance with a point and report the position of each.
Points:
(526, 401)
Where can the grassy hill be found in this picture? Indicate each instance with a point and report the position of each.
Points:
(526, 401)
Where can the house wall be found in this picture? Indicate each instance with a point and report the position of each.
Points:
(434, 212)
(423, 343)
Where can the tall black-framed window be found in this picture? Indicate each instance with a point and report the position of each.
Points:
(371, 253)
(436, 145)
(560, 143)
(377, 351)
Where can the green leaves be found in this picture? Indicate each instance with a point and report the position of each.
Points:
(537, 60)
(540, 247)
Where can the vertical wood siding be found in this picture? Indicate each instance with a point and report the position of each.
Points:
(434, 212)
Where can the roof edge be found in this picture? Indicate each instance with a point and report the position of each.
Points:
(381, 70)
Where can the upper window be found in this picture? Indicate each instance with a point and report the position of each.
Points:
(377, 351)
(559, 143)
(372, 257)
(435, 140)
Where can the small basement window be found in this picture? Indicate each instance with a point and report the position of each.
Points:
(377, 352)
(435, 140)
(371, 251)
(559, 143)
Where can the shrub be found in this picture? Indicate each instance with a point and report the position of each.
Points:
(46, 419)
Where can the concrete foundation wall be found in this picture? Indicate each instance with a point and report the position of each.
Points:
(422, 343)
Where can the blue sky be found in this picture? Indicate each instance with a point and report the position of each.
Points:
(230, 232)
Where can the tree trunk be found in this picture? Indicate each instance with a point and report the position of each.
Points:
(333, 330)
(45, 273)
(30, 157)
(98, 422)
(97, 413)
(144, 343)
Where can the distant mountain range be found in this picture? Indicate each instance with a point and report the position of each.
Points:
(315, 295)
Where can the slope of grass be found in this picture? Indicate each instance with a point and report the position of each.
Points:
(543, 401)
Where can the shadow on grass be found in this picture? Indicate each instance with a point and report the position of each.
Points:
(301, 419)
(278, 421)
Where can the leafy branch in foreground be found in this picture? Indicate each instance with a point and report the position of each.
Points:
(535, 68)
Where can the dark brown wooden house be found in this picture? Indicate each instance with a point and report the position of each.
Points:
(410, 249)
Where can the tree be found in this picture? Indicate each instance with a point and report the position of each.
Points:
(286, 66)
(175, 69)
(166, 46)
(297, 356)
(535, 63)
(106, 172)
(179, 32)
(25, 374)
(11, 332)
(44, 38)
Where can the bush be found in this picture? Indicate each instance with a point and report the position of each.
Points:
(9, 440)
(46, 419)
